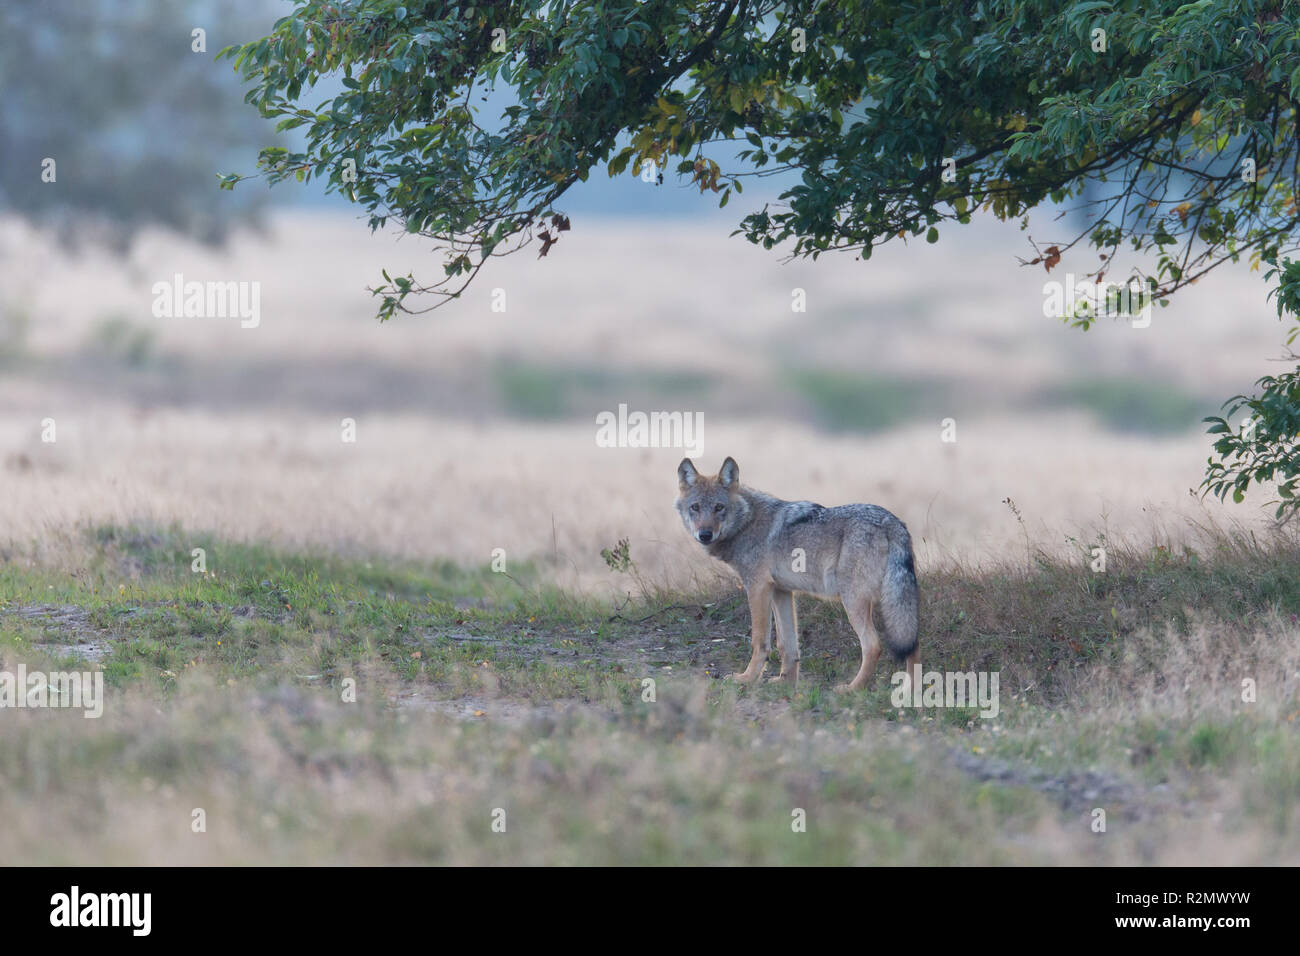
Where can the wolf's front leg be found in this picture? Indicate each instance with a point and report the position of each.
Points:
(760, 612)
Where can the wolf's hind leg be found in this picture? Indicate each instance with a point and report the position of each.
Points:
(787, 635)
(913, 668)
(859, 612)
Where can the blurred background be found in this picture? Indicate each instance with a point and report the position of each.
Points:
(476, 429)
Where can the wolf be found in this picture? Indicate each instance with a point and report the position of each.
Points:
(860, 555)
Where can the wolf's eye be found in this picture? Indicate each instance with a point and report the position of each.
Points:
(718, 509)
(695, 509)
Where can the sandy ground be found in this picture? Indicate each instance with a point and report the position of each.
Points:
(237, 431)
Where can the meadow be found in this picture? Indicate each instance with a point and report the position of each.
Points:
(397, 646)
(317, 710)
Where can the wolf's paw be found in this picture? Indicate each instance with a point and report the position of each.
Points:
(744, 677)
(844, 689)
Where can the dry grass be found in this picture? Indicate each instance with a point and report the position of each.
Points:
(476, 694)
(238, 431)
(425, 488)
(476, 431)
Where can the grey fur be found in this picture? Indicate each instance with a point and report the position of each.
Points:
(859, 554)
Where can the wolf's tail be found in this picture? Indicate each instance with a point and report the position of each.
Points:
(899, 600)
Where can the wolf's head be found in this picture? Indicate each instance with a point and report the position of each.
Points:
(712, 509)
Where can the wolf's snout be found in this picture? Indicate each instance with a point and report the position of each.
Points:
(704, 536)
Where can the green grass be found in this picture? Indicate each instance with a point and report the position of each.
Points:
(118, 339)
(329, 708)
(846, 401)
(552, 392)
(836, 400)
(1132, 405)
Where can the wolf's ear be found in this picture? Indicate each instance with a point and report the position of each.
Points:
(730, 473)
(686, 474)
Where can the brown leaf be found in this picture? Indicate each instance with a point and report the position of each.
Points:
(1052, 258)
